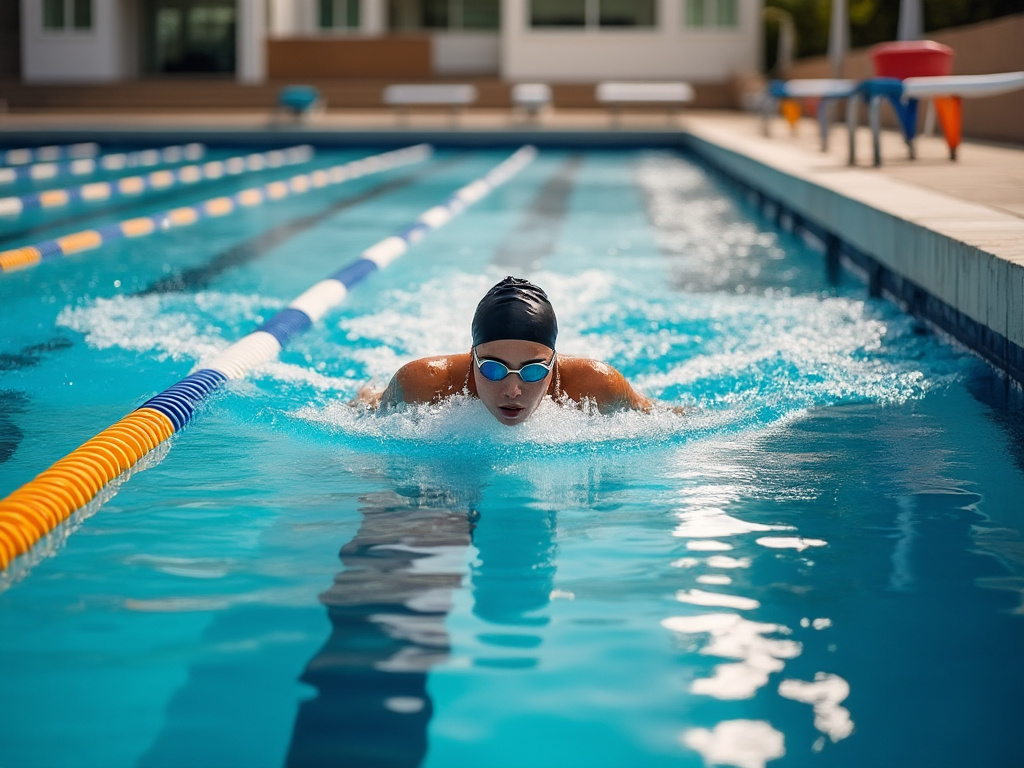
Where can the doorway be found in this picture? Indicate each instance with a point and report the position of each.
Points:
(189, 37)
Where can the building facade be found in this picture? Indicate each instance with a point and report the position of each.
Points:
(256, 40)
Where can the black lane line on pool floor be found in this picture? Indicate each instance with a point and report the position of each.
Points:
(365, 706)
(197, 278)
(31, 355)
(12, 403)
(537, 233)
(201, 276)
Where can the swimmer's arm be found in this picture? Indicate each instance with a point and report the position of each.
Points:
(391, 396)
(427, 380)
(602, 385)
(622, 396)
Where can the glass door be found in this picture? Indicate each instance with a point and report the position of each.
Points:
(189, 36)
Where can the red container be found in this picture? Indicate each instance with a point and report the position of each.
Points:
(912, 58)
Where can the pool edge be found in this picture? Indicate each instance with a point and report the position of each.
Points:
(973, 293)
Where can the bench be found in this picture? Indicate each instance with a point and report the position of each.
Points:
(615, 94)
(531, 98)
(454, 96)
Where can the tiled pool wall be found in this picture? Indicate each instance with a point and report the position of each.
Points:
(974, 296)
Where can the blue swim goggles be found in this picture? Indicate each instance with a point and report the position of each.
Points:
(492, 370)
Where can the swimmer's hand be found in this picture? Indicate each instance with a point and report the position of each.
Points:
(678, 410)
(367, 397)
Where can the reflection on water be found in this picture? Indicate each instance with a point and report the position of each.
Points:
(743, 743)
(760, 649)
(389, 604)
(387, 610)
(753, 650)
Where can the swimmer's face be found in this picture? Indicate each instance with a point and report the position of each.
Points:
(512, 400)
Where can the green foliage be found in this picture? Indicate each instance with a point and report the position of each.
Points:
(874, 21)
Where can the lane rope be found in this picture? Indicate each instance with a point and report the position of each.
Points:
(36, 508)
(165, 178)
(31, 255)
(117, 161)
(48, 154)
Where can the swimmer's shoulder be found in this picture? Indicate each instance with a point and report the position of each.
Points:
(430, 379)
(583, 378)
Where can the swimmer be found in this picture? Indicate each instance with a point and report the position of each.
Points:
(512, 366)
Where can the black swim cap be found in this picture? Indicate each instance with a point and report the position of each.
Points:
(515, 309)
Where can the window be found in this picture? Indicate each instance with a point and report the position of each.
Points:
(194, 36)
(695, 13)
(558, 13)
(443, 14)
(711, 13)
(60, 15)
(481, 14)
(626, 13)
(592, 13)
(339, 14)
(726, 13)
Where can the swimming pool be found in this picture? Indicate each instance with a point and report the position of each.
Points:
(822, 564)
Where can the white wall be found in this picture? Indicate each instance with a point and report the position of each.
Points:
(101, 54)
(250, 45)
(130, 47)
(373, 17)
(466, 53)
(668, 51)
(291, 18)
(301, 18)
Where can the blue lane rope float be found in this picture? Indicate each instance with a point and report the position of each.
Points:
(155, 180)
(36, 508)
(30, 255)
(48, 154)
(117, 161)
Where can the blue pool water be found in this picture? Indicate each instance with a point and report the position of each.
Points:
(821, 564)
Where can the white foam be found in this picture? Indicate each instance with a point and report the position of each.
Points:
(833, 345)
(740, 743)
(161, 326)
(463, 423)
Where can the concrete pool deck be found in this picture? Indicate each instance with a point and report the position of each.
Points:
(945, 239)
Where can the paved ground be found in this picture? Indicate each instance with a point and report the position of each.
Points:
(985, 173)
(978, 199)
